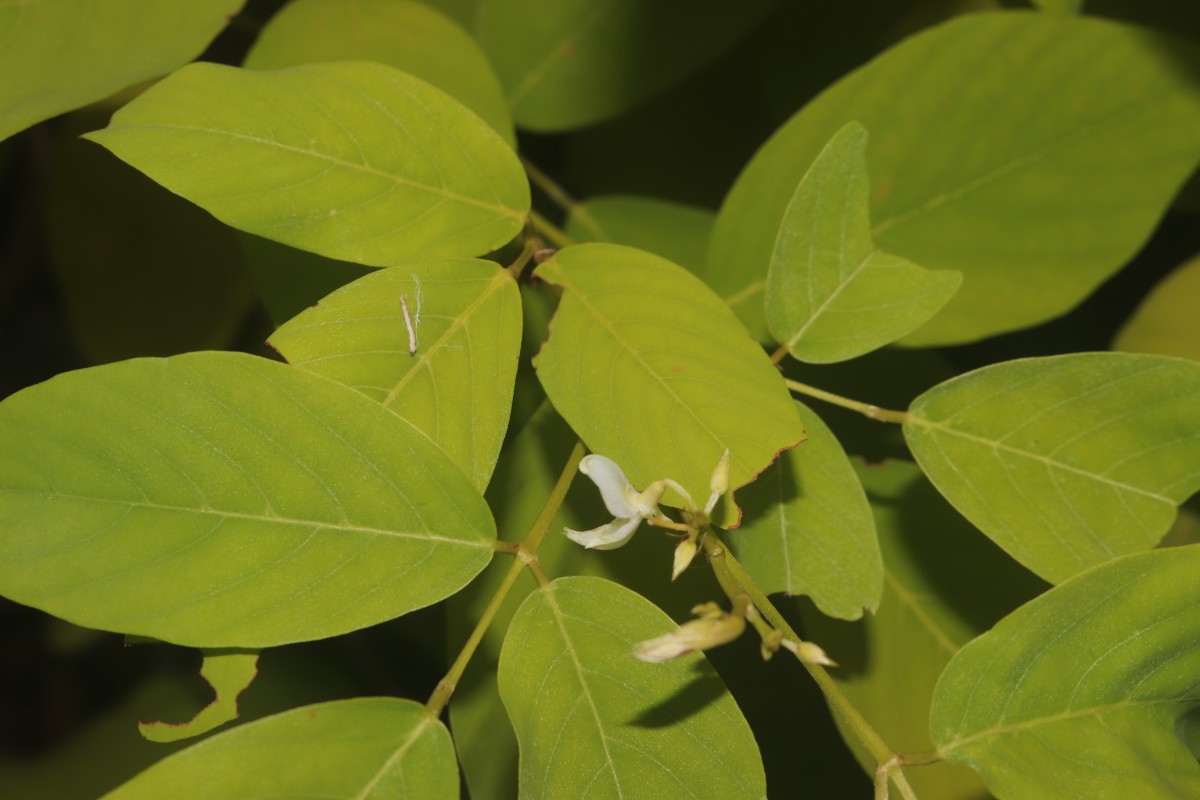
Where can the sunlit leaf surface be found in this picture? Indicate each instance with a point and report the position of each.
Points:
(457, 386)
(226, 501)
(351, 160)
(652, 370)
(1068, 461)
(807, 529)
(412, 37)
(1034, 153)
(943, 584)
(1088, 691)
(366, 749)
(62, 54)
(593, 721)
(831, 293)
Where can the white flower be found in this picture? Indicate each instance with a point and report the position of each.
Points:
(625, 503)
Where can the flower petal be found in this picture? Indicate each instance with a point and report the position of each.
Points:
(606, 537)
(615, 488)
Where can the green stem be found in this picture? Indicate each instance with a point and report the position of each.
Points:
(735, 580)
(563, 199)
(526, 556)
(532, 245)
(866, 409)
(537, 531)
(555, 235)
(446, 686)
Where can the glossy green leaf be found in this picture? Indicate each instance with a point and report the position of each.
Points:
(807, 529)
(412, 37)
(1068, 461)
(352, 160)
(371, 747)
(226, 501)
(652, 370)
(594, 721)
(944, 584)
(831, 293)
(228, 672)
(141, 272)
(1034, 153)
(674, 231)
(457, 387)
(1166, 322)
(1087, 691)
(577, 62)
(59, 55)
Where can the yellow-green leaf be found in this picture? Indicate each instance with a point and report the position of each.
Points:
(1068, 461)
(807, 529)
(594, 721)
(223, 500)
(62, 54)
(1166, 322)
(1087, 691)
(228, 672)
(457, 387)
(369, 748)
(1034, 153)
(654, 371)
(351, 160)
(412, 37)
(832, 294)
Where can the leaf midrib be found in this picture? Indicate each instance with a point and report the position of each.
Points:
(916, 419)
(396, 755)
(460, 321)
(440, 191)
(1029, 724)
(559, 619)
(265, 518)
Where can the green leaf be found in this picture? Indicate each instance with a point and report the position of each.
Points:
(577, 62)
(1059, 6)
(1166, 322)
(594, 721)
(807, 529)
(62, 54)
(223, 500)
(457, 387)
(290, 280)
(1034, 153)
(528, 469)
(141, 272)
(371, 747)
(228, 672)
(1068, 461)
(354, 161)
(1086, 691)
(832, 294)
(652, 370)
(412, 37)
(944, 584)
(674, 231)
